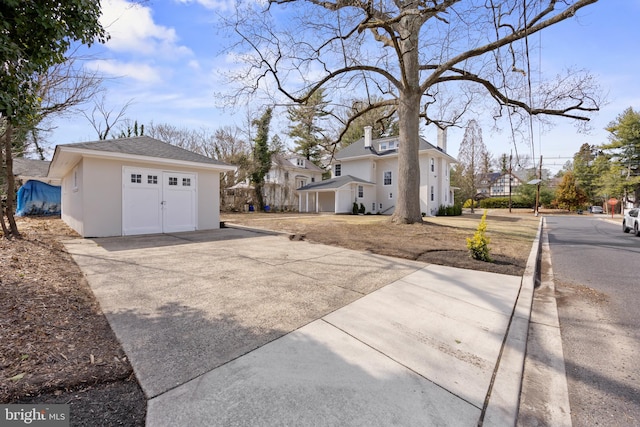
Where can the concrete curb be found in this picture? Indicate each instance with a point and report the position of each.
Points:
(503, 398)
(545, 395)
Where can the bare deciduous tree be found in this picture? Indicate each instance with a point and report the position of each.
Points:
(59, 91)
(224, 144)
(62, 89)
(415, 55)
(472, 157)
(103, 119)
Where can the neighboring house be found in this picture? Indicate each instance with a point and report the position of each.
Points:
(31, 169)
(483, 184)
(288, 172)
(136, 185)
(366, 172)
(496, 184)
(37, 194)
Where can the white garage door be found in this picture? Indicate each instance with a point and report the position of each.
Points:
(155, 201)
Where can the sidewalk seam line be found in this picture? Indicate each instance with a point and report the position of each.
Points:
(398, 362)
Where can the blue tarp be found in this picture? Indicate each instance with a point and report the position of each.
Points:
(38, 198)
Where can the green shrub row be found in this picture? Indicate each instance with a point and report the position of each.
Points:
(503, 203)
(449, 210)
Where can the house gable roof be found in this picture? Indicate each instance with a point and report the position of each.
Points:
(30, 167)
(284, 162)
(488, 177)
(334, 183)
(357, 149)
(140, 148)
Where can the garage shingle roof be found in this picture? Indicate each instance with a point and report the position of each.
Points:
(145, 146)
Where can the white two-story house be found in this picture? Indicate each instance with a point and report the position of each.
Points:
(366, 172)
(288, 172)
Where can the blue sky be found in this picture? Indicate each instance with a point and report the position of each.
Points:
(166, 55)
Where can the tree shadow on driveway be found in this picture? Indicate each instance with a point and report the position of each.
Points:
(177, 343)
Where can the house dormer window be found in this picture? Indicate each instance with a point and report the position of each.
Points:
(389, 145)
(337, 169)
(300, 162)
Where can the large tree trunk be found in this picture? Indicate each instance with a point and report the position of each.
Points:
(259, 187)
(407, 209)
(11, 183)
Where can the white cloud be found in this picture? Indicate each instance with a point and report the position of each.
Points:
(132, 29)
(221, 5)
(138, 71)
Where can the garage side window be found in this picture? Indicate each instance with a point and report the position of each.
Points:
(136, 178)
(173, 180)
(75, 179)
(152, 179)
(186, 182)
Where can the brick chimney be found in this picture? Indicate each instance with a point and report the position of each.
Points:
(367, 136)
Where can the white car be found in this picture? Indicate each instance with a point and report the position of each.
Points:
(631, 221)
(596, 210)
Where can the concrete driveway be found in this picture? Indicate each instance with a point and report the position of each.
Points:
(238, 327)
(186, 303)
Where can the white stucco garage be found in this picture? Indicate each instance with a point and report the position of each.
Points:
(136, 185)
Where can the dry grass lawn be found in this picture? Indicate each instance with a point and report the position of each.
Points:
(438, 240)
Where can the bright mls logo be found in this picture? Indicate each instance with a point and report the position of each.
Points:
(35, 415)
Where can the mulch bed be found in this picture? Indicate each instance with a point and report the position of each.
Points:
(56, 345)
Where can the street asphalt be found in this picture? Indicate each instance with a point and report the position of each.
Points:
(239, 327)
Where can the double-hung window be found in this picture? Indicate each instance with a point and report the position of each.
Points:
(387, 178)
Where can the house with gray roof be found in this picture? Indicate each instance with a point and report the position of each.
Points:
(366, 172)
(136, 185)
(288, 173)
(501, 184)
(32, 169)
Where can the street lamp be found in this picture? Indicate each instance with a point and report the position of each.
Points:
(536, 182)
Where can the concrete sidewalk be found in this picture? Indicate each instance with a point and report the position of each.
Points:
(237, 328)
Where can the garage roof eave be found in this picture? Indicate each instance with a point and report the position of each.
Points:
(66, 157)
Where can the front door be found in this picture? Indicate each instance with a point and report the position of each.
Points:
(155, 201)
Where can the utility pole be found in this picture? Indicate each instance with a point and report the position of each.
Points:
(510, 178)
(538, 191)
